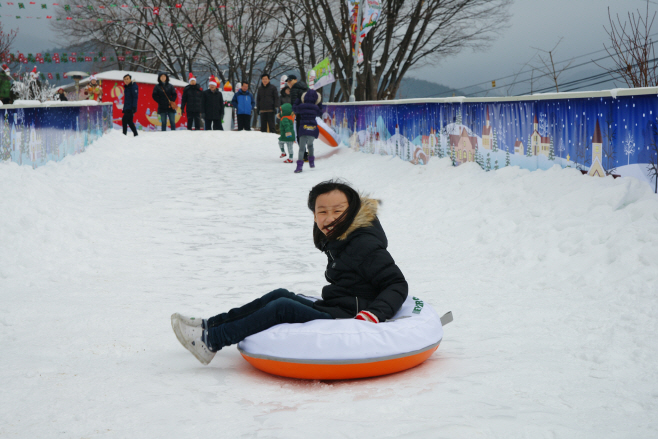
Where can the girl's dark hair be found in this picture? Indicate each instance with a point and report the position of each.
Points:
(344, 221)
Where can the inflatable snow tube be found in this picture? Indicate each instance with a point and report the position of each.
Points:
(347, 348)
(327, 135)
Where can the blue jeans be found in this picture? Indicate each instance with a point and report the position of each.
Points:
(278, 306)
(172, 120)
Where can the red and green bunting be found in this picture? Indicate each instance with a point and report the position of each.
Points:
(73, 57)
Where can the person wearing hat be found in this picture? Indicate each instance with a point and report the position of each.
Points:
(213, 106)
(94, 90)
(267, 103)
(61, 96)
(193, 102)
(130, 95)
(244, 103)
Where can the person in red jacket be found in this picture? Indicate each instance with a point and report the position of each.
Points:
(364, 281)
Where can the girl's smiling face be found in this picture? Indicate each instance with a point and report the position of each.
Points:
(328, 207)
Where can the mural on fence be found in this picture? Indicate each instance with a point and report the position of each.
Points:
(599, 136)
(34, 136)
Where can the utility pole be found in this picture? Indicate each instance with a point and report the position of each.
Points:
(357, 44)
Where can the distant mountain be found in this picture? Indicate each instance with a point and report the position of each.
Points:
(411, 88)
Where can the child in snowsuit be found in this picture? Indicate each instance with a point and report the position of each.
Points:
(365, 282)
(287, 129)
(307, 109)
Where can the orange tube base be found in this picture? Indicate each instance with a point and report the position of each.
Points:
(319, 371)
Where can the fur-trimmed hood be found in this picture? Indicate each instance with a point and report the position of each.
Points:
(364, 218)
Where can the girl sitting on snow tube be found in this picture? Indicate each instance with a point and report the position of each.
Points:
(364, 281)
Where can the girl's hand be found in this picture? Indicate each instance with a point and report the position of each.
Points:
(367, 316)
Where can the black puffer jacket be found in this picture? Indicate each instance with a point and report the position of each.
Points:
(160, 97)
(268, 98)
(213, 104)
(361, 272)
(192, 99)
(297, 91)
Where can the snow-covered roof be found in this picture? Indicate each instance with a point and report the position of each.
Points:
(139, 77)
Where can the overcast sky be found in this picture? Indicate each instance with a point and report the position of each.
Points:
(534, 23)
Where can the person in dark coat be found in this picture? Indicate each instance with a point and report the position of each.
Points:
(61, 96)
(267, 103)
(243, 103)
(285, 97)
(297, 89)
(192, 101)
(364, 281)
(213, 106)
(130, 95)
(306, 111)
(163, 94)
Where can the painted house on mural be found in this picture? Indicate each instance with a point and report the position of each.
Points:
(597, 154)
(486, 132)
(518, 147)
(464, 146)
(146, 116)
(539, 144)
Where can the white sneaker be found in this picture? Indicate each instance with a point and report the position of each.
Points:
(189, 321)
(190, 338)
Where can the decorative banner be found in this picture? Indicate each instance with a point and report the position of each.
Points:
(598, 136)
(321, 75)
(34, 136)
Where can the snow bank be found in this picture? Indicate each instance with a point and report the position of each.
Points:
(551, 277)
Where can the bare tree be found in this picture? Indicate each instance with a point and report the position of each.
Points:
(6, 41)
(632, 50)
(548, 65)
(408, 35)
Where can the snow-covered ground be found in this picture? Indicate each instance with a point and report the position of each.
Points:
(552, 278)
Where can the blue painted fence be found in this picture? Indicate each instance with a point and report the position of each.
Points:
(35, 135)
(600, 133)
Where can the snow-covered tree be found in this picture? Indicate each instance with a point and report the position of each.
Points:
(494, 141)
(458, 119)
(29, 87)
(528, 150)
(478, 157)
(507, 162)
(488, 166)
(452, 157)
(551, 151)
(496, 165)
(629, 147)
(543, 125)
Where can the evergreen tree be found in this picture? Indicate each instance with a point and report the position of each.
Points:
(507, 159)
(488, 167)
(452, 157)
(528, 150)
(408, 151)
(458, 121)
(478, 157)
(551, 151)
(494, 146)
(397, 147)
(496, 165)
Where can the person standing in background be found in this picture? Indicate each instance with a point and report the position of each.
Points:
(213, 106)
(130, 96)
(165, 95)
(267, 104)
(193, 101)
(244, 103)
(61, 96)
(93, 90)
